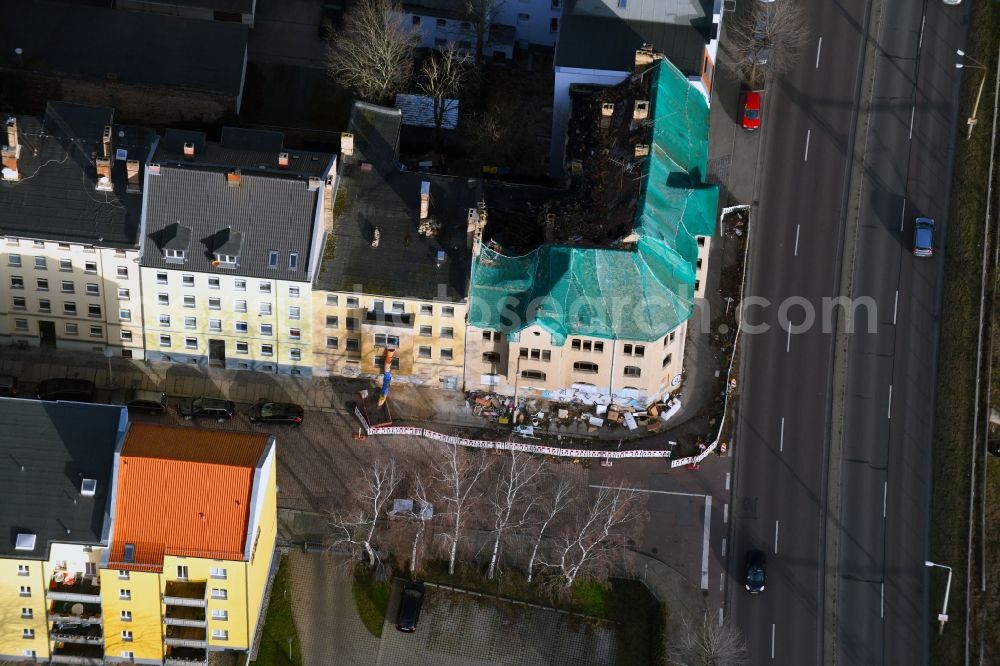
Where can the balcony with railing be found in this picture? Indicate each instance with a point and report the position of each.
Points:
(72, 653)
(74, 632)
(191, 637)
(65, 586)
(185, 656)
(179, 593)
(184, 616)
(74, 611)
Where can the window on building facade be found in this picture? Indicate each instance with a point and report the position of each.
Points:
(352, 324)
(14, 260)
(585, 367)
(264, 308)
(240, 285)
(240, 306)
(242, 348)
(163, 319)
(40, 263)
(667, 359)
(17, 282)
(632, 371)
(241, 327)
(68, 287)
(491, 357)
(386, 340)
(42, 284)
(267, 350)
(293, 292)
(215, 303)
(332, 322)
(187, 280)
(353, 345)
(295, 354)
(294, 311)
(96, 331)
(93, 289)
(215, 325)
(161, 278)
(163, 299)
(190, 343)
(72, 329)
(426, 331)
(213, 283)
(272, 259)
(293, 261)
(20, 324)
(533, 374)
(295, 333)
(264, 287)
(125, 315)
(45, 305)
(447, 332)
(190, 323)
(123, 293)
(332, 343)
(447, 354)
(126, 336)
(66, 265)
(164, 340)
(424, 352)
(332, 299)
(266, 329)
(20, 303)
(69, 309)
(352, 301)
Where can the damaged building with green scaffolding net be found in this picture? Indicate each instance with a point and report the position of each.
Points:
(588, 291)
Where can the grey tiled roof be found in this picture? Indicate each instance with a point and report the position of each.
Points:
(79, 41)
(376, 194)
(55, 198)
(48, 449)
(681, 38)
(270, 211)
(240, 148)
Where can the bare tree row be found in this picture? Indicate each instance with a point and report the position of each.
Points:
(491, 511)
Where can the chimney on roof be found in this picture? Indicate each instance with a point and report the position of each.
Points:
(12, 132)
(10, 155)
(346, 144)
(645, 56)
(607, 110)
(132, 172)
(282, 160)
(188, 149)
(477, 222)
(315, 183)
(641, 149)
(375, 237)
(104, 174)
(233, 178)
(641, 110)
(106, 142)
(425, 199)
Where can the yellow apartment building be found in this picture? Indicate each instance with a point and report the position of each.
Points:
(234, 240)
(192, 544)
(71, 193)
(56, 499)
(396, 265)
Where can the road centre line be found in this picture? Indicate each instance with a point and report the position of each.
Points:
(798, 227)
(704, 542)
(819, 47)
(808, 134)
(722, 586)
(881, 607)
(727, 480)
(725, 513)
(885, 496)
(788, 345)
(776, 537)
(723, 547)
(913, 112)
(781, 438)
(889, 413)
(920, 42)
(902, 215)
(772, 640)
(894, 307)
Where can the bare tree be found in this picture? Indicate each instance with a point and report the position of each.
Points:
(768, 38)
(373, 53)
(418, 519)
(480, 14)
(588, 547)
(442, 77)
(512, 501)
(457, 475)
(355, 527)
(552, 505)
(705, 642)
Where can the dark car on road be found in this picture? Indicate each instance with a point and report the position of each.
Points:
(276, 412)
(140, 400)
(756, 571)
(409, 606)
(76, 390)
(8, 386)
(923, 237)
(205, 407)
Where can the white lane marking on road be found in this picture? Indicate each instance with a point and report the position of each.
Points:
(772, 641)
(808, 134)
(819, 47)
(885, 496)
(720, 616)
(776, 537)
(894, 307)
(727, 480)
(788, 345)
(920, 42)
(902, 215)
(725, 513)
(704, 542)
(913, 112)
(656, 492)
(781, 439)
(881, 608)
(722, 586)
(889, 413)
(798, 228)
(723, 546)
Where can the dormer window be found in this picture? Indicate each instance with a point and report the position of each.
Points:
(227, 244)
(226, 258)
(175, 241)
(175, 255)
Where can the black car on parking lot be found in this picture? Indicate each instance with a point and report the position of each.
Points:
(756, 571)
(139, 400)
(276, 412)
(409, 606)
(76, 390)
(205, 407)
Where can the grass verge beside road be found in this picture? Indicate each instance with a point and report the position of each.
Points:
(279, 627)
(371, 598)
(957, 354)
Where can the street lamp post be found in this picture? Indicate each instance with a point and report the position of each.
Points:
(943, 615)
(975, 107)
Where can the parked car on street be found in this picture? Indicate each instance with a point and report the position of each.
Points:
(153, 402)
(923, 237)
(276, 412)
(750, 110)
(205, 407)
(409, 606)
(756, 571)
(76, 390)
(8, 386)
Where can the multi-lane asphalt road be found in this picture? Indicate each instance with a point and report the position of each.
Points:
(833, 458)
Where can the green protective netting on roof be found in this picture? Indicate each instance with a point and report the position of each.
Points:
(637, 294)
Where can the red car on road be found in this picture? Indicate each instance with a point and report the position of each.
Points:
(750, 110)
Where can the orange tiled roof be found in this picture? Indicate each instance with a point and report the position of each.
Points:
(183, 491)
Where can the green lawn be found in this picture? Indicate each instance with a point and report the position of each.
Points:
(957, 355)
(371, 598)
(279, 626)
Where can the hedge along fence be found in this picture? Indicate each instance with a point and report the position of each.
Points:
(530, 448)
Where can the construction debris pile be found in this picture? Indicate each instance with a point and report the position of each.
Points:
(572, 412)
